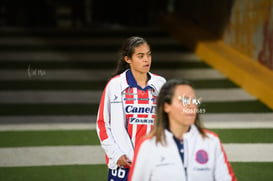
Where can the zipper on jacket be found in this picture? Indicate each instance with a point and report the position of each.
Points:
(178, 147)
(186, 154)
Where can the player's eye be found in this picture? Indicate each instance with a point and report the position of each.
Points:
(187, 100)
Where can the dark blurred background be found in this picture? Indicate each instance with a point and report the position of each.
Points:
(245, 26)
(120, 13)
(77, 13)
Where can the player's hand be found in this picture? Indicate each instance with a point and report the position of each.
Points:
(124, 161)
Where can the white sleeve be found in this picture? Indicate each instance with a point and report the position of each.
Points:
(223, 170)
(103, 127)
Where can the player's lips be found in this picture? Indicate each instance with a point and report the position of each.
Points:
(190, 115)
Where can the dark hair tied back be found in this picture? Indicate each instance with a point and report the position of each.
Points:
(128, 49)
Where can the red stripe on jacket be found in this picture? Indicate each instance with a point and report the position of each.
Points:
(135, 155)
(231, 173)
(101, 124)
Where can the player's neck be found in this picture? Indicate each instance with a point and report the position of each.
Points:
(179, 131)
(141, 78)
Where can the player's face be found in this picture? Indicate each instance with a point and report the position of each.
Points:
(182, 110)
(141, 59)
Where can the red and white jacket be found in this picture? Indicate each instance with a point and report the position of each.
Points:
(126, 113)
(204, 159)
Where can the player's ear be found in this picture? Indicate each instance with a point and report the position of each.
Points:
(127, 59)
(166, 107)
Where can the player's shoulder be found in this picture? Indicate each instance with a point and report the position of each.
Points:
(158, 78)
(151, 145)
(212, 135)
(114, 80)
(147, 143)
(120, 78)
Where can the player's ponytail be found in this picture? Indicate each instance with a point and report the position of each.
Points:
(127, 49)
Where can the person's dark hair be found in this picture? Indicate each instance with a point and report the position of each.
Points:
(128, 49)
(162, 120)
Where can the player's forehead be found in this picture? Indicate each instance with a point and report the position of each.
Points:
(142, 49)
(184, 90)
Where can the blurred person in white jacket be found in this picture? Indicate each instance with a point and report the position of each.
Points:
(179, 148)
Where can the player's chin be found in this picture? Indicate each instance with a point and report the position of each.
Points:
(190, 116)
(146, 68)
(190, 120)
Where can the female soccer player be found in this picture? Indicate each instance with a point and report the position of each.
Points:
(127, 107)
(178, 148)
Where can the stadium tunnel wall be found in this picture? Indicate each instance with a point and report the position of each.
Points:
(234, 37)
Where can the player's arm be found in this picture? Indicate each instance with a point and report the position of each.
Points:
(104, 128)
(223, 169)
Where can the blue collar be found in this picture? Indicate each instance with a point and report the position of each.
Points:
(180, 147)
(132, 82)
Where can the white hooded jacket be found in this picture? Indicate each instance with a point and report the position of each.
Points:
(204, 159)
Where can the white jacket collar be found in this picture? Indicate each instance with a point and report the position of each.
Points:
(193, 130)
